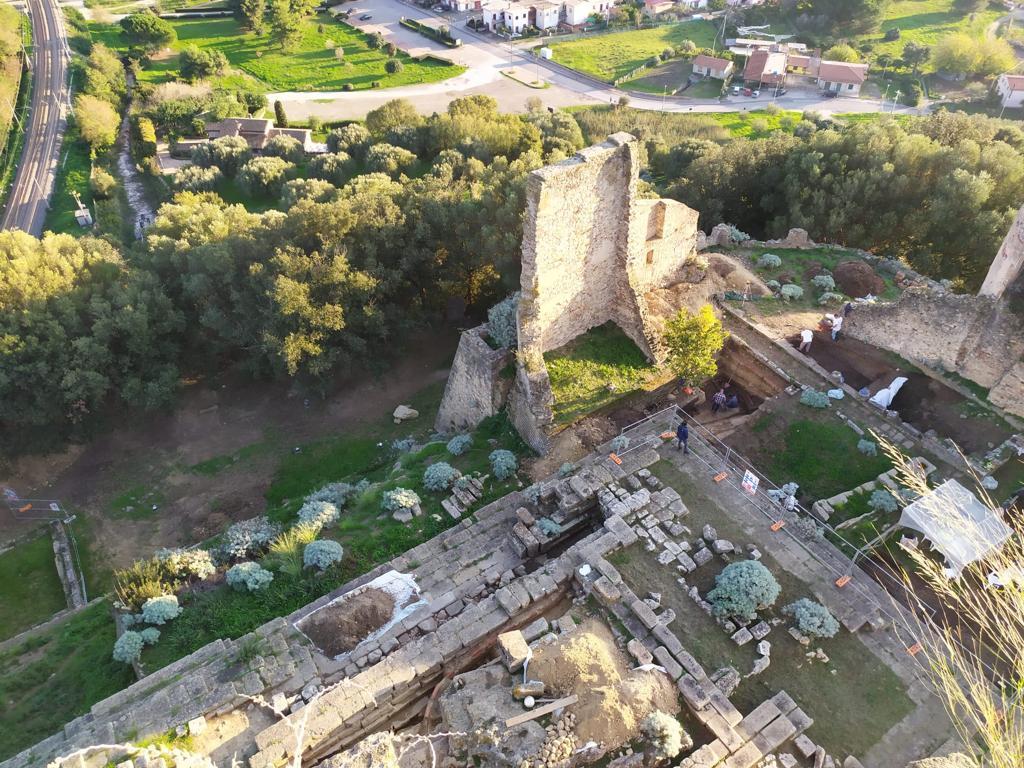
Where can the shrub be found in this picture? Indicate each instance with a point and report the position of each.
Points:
(187, 563)
(229, 153)
(565, 470)
(285, 552)
(348, 87)
(737, 235)
(620, 443)
(867, 447)
(883, 501)
(769, 261)
(376, 40)
(774, 285)
(503, 463)
(249, 576)
(160, 610)
(501, 322)
(248, 537)
(196, 178)
(741, 589)
(791, 292)
(142, 580)
(824, 283)
(814, 398)
(665, 735)
(339, 494)
(286, 147)
(352, 139)
(439, 476)
(459, 444)
(694, 341)
(828, 297)
(318, 514)
(812, 618)
(150, 635)
(322, 554)
(393, 66)
(333, 167)
(265, 176)
(317, 190)
(128, 647)
(102, 184)
(389, 159)
(532, 493)
(399, 498)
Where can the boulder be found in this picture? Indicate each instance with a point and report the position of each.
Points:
(404, 413)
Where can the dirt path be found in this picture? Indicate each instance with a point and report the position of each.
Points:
(115, 480)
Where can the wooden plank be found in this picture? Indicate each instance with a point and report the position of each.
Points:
(533, 714)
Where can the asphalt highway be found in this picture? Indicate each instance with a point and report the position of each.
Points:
(28, 199)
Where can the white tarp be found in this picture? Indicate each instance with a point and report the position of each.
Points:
(957, 524)
(883, 398)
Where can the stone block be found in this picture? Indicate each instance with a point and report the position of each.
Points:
(639, 652)
(535, 629)
(742, 636)
(760, 630)
(745, 757)
(693, 694)
(801, 720)
(608, 570)
(758, 718)
(197, 726)
(672, 667)
(805, 747)
(775, 734)
(725, 708)
(689, 563)
(702, 556)
(644, 613)
(718, 726)
(666, 637)
(784, 702)
(513, 649)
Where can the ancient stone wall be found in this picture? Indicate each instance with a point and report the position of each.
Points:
(977, 337)
(476, 388)
(1008, 263)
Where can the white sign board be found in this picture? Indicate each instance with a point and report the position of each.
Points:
(750, 482)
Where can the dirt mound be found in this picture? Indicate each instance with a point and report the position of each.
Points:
(857, 278)
(813, 269)
(736, 277)
(340, 627)
(613, 699)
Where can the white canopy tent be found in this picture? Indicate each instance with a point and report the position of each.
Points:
(958, 525)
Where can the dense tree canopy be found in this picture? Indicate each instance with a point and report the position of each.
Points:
(144, 29)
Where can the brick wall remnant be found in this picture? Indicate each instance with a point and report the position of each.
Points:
(476, 387)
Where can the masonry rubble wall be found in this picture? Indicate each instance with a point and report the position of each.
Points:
(476, 388)
(1006, 268)
(977, 337)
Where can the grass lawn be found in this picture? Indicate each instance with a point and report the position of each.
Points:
(368, 535)
(594, 370)
(72, 176)
(822, 458)
(32, 589)
(926, 21)
(10, 79)
(609, 56)
(52, 678)
(852, 707)
(312, 66)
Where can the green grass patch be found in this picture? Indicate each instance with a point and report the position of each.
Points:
(594, 370)
(613, 55)
(57, 676)
(310, 66)
(32, 589)
(135, 503)
(218, 464)
(926, 22)
(72, 176)
(852, 709)
(822, 457)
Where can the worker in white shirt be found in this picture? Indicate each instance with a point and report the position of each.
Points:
(806, 337)
(837, 325)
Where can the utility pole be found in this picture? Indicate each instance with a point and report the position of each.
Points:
(894, 100)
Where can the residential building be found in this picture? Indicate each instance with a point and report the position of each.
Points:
(1011, 90)
(712, 66)
(654, 7)
(545, 14)
(258, 131)
(576, 12)
(694, 4)
(765, 68)
(842, 77)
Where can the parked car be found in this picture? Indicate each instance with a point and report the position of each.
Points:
(365, 17)
(437, 8)
(782, 92)
(830, 94)
(747, 92)
(755, 93)
(735, 90)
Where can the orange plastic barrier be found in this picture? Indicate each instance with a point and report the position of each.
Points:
(778, 525)
(614, 458)
(915, 649)
(842, 581)
(721, 476)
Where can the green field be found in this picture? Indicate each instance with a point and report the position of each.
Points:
(72, 176)
(32, 589)
(925, 21)
(609, 56)
(311, 66)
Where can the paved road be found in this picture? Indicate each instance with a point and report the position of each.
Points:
(487, 60)
(28, 199)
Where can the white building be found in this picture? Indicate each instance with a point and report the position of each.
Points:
(576, 12)
(546, 14)
(1011, 90)
(842, 77)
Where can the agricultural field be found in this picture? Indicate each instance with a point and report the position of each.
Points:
(925, 22)
(312, 66)
(610, 56)
(670, 77)
(10, 76)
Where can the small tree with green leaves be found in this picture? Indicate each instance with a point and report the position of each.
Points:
(743, 588)
(694, 341)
